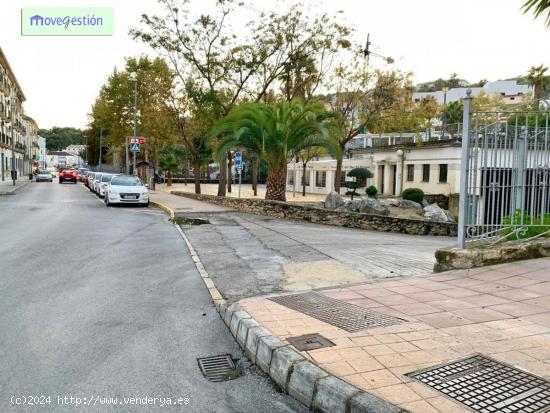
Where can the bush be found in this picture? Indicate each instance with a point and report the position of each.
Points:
(530, 227)
(413, 194)
(371, 191)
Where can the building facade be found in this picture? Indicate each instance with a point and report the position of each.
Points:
(15, 139)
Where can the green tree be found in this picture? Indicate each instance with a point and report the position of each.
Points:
(58, 138)
(169, 165)
(288, 52)
(538, 78)
(539, 8)
(453, 115)
(277, 133)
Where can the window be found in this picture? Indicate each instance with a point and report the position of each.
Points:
(320, 179)
(410, 173)
(290, 175)
(443, 168)
(305, 179)
(426, 173)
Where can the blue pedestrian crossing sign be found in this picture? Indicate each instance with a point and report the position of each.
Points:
(134, 146)
(238, 161)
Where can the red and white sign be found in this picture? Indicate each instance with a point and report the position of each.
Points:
(138, 139)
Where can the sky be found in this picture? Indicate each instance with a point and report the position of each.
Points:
(477, 39)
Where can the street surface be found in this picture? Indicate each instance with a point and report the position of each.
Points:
(106, 302)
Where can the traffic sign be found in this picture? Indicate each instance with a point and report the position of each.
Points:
(138, 139)
(134, 146)
(238, 161)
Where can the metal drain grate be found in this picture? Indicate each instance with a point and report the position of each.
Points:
(486, 385)
(310, 342)
(348, 317)
(217, 368)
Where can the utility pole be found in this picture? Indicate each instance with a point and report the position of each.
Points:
(100, 136)
(13, 170)
(134, 78)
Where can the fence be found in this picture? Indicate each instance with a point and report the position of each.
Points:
(505, 171)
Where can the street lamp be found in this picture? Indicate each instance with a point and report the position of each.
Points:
(100, 136)
(13, 170)
(444, 90)
(133, 78)
(401, 155)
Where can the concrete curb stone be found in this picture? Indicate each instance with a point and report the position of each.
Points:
(282, 364)
(244, 328)
(238, 316)
(332, 395)
(251, 345)
(264, 352)
(368, 403)
(302, 381)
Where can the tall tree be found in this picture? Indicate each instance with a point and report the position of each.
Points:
(277, 133)
(58, 138)
(538, 78)
(287, 51)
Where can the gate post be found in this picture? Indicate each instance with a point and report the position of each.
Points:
(464, 170)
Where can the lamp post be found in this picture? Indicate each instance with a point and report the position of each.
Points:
(13, 170)
(100, 137)
(133, 78)
(444, 90)
(401, 155)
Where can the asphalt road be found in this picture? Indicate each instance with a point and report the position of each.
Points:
(100, 302)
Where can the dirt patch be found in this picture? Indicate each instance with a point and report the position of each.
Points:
(308, 275)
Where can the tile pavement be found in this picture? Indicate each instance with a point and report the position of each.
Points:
(502, 311)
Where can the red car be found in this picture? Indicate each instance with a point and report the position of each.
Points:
(67, 175)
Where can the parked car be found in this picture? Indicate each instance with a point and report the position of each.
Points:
(80, 172)
(91, 180)
(124, 189)
(44, 176)
(67, 175)
(97, 181)
(105, 178)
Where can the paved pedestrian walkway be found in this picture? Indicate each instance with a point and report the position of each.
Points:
(500, 311)
(180, 204)
(7, 187)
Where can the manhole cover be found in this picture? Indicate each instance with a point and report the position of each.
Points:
(217, 368)
(488, 386)
(338, 313)
(310, 342)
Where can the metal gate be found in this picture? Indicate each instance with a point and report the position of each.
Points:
(504, 176)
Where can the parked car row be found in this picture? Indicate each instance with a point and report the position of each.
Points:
(116, 188)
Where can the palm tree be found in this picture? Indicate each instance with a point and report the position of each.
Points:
(539, 7)
(169, 165)
(276, 133)
(538, 78)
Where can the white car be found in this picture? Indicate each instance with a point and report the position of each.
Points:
(44, 176)
(124, 189)
(102, 184)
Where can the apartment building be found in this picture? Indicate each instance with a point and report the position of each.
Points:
(17, 132)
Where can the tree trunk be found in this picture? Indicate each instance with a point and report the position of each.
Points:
(222, 177)
(303, 179)
(197, 173)
(169, 173)
(276, 186)
(337, 175)
(229, 172)
(255, 175)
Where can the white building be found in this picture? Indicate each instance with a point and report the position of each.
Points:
(75, 149)
(510, 90)
(42, 151)
(63, 159)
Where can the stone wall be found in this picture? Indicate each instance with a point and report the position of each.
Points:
(330, 217)
(454, 258)
(440, 199)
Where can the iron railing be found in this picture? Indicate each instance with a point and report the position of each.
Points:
(505, 176)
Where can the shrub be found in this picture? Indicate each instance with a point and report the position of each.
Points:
(526, 226)
(371, 191)
(413, 194)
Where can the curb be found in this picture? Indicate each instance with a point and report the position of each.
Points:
(165, 208)
(12, 191)
(295, 375)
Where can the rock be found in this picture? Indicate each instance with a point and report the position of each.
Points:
(373, 206)
(434, 213)
(425, 203)
(450, 217)
(351, 206)
(334, 200)
(406, 203)
(390, 202)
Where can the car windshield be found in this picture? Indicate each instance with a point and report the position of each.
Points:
(126, 181)
(44, 172)
(106, 178)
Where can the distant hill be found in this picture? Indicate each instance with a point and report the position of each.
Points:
(58, 138)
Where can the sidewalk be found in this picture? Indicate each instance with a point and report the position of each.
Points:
(180, 204)
(7, 187)
(501, 311)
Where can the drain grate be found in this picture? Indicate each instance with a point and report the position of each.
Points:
(486, 385)
(310, 342)
(217, 368)
(348, 317)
